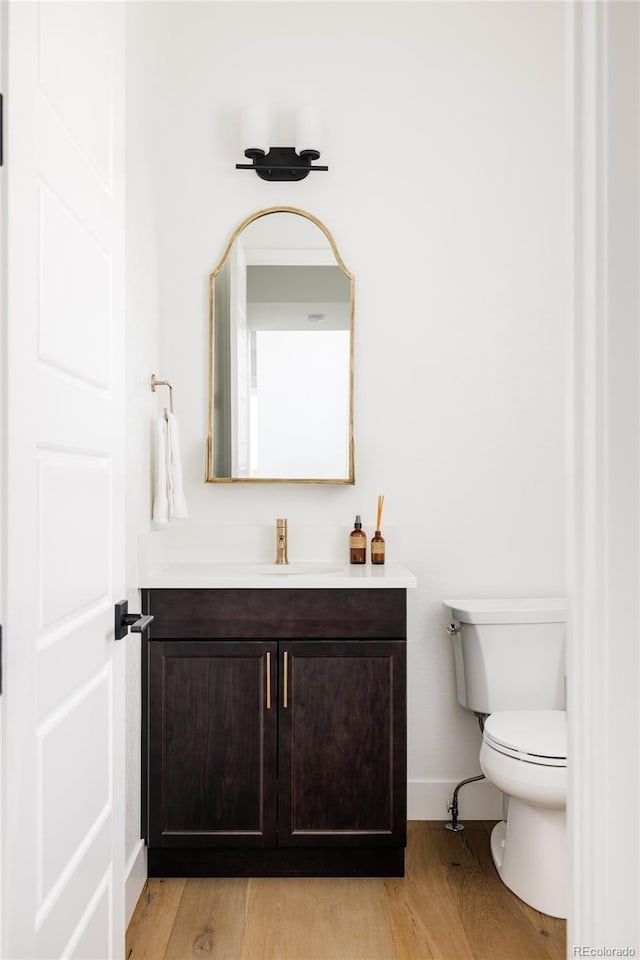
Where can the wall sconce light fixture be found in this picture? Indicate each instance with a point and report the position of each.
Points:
(281, 163)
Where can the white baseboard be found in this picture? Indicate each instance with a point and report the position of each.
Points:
(135, 877)
(427, 800)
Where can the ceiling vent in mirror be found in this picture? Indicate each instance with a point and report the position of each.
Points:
(281, 163)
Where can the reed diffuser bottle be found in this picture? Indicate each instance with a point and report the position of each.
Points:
(358, 543)
(377, 540)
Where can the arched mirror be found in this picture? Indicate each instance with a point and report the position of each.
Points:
(281, 354)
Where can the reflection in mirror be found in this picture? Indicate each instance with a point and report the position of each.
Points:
(281, 378)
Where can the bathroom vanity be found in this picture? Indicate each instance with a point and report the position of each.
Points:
(274, 724)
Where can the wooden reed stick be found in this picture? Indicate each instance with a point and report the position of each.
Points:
(380, 505)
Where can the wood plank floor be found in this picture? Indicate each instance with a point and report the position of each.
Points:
(449, 906)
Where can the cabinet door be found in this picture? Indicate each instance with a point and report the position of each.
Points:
(212, 743)
(342, 762)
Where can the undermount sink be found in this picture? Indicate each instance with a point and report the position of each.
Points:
(252, 569)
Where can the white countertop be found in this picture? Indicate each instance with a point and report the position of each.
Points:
(324, 575)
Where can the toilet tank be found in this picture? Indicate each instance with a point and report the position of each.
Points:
(509, 654)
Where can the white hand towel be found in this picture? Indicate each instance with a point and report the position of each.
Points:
(161, 492)
(178, 504)
(169, 501)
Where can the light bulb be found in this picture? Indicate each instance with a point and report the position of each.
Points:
(255, 128)
(309, 129)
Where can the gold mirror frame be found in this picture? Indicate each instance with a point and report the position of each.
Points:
(209, 475)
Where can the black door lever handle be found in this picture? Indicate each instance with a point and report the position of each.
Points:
(125, 621)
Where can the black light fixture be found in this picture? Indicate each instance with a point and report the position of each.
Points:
(281, 163)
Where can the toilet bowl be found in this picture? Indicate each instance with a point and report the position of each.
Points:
(524, 754)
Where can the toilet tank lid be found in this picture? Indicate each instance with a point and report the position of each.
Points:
(509, 610)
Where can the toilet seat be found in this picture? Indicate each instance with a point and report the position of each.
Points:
(536, 737)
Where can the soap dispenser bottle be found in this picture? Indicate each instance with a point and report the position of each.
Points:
(358, 543)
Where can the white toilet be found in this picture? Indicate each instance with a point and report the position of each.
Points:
(509, 660)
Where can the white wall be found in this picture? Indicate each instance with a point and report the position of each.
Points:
(445, 195)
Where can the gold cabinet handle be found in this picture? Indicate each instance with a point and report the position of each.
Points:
(268, 680)
(285, 695)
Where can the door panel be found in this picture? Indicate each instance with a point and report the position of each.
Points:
(73, 333)
(342, 735)
(75, 730)
(65, 496)
(74, 535)
(72, 46)
(76, 896)
(212, 776)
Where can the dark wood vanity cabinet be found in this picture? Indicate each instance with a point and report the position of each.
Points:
(274, 738)
(212, 744)
(341, 744)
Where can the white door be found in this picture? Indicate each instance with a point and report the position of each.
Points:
(62, 841)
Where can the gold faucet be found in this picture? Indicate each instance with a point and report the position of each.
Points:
(281, 541)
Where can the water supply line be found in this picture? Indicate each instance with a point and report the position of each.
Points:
(452, 805)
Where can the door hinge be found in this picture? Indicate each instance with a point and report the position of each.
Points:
(0, 658)
(1, 130)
